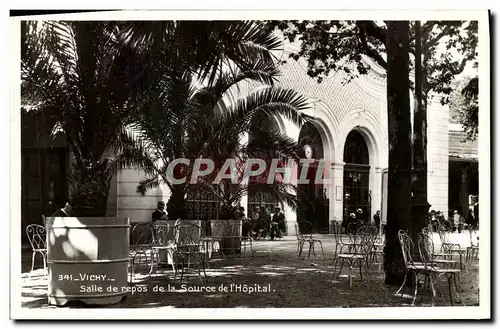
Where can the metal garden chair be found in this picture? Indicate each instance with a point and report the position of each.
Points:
(410, 266)
(162, 243)
(141, 251)
(450, 248)
(340, 244)
(37, 236)
(359, 251)
(433, 272)
(189, 247)
(303, 232)
(473, 249)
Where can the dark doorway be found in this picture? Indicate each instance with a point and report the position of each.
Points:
(357, 194)
(313, 205)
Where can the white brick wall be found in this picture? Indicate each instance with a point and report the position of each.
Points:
(130, 204)
(437, 155)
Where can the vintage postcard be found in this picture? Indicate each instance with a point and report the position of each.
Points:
(197, 164)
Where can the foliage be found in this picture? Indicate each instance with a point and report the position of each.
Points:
(88, 78)
(341, 45)
(76, 75)
(183, 121)
(464, 106)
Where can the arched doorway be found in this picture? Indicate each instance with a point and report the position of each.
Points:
(357, 194)
(313, 204)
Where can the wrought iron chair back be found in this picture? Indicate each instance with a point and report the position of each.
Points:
(37, 236)
(367, 237)
(161, 230)
(407, 247)
(142, 236)
(444, 234)
(426, 250)
(187, 237)
(337, 231)
(303, 230)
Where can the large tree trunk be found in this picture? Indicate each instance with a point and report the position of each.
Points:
(420, 206)
(398, 112)
(89, 190)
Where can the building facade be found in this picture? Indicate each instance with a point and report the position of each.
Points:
(349, 133)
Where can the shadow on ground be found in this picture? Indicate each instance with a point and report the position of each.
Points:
(272, 277)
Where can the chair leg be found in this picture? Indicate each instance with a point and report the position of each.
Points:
(311, 245)
(341, 267)
(204, 272)
(301, 247)
(450, 294)
(360, 269)
(458, 287)
(350, 274)
(404, 282)
(335, 254)
(416, 288)
(432, 289)
(32, 261)
(321, 245)
(182, 269)
(45, 271)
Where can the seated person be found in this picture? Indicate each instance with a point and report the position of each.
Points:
(159, 213)
(277, 224)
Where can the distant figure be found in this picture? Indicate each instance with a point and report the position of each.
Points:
(66, 211)
(476, 215)
(433, 220)
(264, 222)
(277, 224)
(352, 223)
(376, 219)
(359, 215)
(444, 222)
(159, 213)
(470, 221)
(458, 222)
(246, 224)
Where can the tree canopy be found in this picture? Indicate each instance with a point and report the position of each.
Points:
(464, 107)
(329, 46)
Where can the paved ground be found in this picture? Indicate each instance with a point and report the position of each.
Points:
(274, 266)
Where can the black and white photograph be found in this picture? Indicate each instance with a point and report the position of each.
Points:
(194, 165)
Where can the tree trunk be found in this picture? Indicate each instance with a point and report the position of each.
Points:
(89, 190)
(176, 205)
(420, 206)
(398, 112)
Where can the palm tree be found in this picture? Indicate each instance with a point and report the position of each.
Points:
(90, 77)
(77, 75)
(208, 122)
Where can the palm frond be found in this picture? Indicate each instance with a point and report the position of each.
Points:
(146, 184)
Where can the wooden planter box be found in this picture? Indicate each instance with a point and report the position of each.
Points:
(87, 259)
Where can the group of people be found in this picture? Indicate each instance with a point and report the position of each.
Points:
(264, 224)
(457, 222)
(354, 220)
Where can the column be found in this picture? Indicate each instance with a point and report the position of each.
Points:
(337, 199)
(290, 214)
(376, 191)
